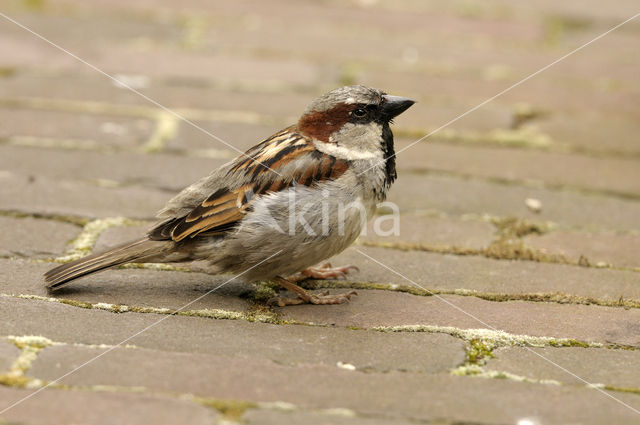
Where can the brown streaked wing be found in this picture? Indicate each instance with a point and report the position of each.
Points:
(219, 212)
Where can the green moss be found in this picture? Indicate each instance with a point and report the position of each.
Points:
(556, 27)
(166, 128)
(78, 221)
(623, 389)
(6, 71)
(34, 5)
(514, 227)
(523, 113)
(569, 343)
(80, 304)
(478, 351)
(263, 292)
(14, 381)
(230, 409)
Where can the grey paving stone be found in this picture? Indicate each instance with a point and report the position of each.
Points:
(201, 94)
(615, 368)
(459, 196)
(100, 408)
(32, 194)
(286, 345)
(275, 417)
(582, 322)
(240, 135)
(618, 250)
(8, 354)
(450, 272)
(34, 238)
(170, 173)
(429, 230)
(610, 174)
(131, 287)
(615, 129)
(105, 131)
(419, 396)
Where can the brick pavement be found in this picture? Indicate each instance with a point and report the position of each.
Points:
(84, 164)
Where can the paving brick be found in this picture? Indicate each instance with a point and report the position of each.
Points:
(81, 85)
(616, 368)
(594, 131)
(241, 136)
(586, 323)
(249, 68)
(432, 231)
(419, 396)
(100, 130)
(132, 287)
(82, 31)
(212, 66)
(485, 275)
(275, 417)
(618, 250)
(38, 194)
(100, 408)
(34, 238)
(8, 354)
(458, 196)
(198, 339)
(608, 174)
(168, 173)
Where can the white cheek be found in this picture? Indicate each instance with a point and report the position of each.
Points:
(344, 152)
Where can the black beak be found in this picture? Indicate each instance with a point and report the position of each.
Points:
(392, 106)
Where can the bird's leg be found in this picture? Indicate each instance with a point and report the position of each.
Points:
(323, 271)
(306, 298)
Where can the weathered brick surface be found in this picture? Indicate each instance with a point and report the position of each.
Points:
(169, 173)
(618, 250)
(100, 408)
(74, 144)
(8, 354)
(618, 175)
(274, 417)
(437, 232)
(486, 275)
(285, 345)
(457, 197)
(419, 396)
(30, 237)
(616, 368)
(588, 323)
(32, 194)
(84, 129)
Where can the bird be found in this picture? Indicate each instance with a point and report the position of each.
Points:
(290, 202)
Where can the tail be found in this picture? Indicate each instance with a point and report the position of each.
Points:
(142, 251)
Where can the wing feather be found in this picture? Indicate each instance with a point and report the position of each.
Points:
(225, 207)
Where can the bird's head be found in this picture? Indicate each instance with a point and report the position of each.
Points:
(353, 117)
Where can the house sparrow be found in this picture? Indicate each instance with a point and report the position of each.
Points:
(289, 202)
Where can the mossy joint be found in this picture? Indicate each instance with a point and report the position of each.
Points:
(167, 125)
(70, 219)
(194, 29)
(83, 244)
(30, 346)
(231, 410)
(550, 297)
(507, 245)
(255, 315)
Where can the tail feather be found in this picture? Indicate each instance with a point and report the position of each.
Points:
(143, 250)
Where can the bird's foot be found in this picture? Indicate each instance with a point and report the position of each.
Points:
(303, 297)
(323, 271)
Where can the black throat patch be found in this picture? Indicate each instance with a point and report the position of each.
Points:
(389, 155)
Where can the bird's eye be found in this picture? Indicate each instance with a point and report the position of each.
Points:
(359, 113)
